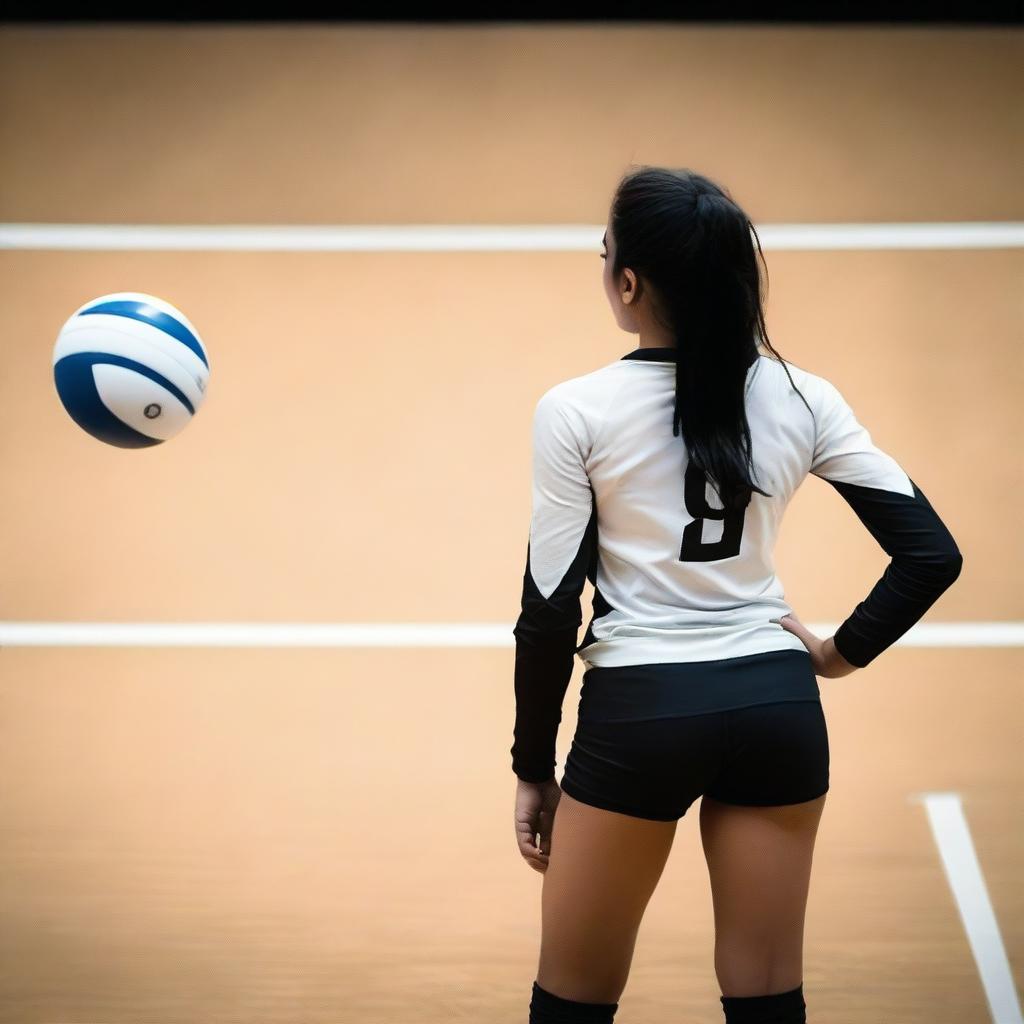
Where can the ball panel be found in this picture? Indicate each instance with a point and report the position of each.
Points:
(145, 404)
(145, 298)
(148, 313)
(77, 390)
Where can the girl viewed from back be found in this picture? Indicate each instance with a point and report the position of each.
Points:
(662, 477)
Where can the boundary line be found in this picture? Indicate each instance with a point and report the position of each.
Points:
(963, 872)
(484, 237)
(398, 634)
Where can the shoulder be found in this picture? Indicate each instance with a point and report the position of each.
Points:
(583, 397)
(584, 385)
(818, 390)
(577, 405)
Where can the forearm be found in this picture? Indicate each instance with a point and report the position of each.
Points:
(542, 673)
(906, 590)
(925, 563)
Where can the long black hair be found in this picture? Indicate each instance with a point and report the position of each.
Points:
(686, 238)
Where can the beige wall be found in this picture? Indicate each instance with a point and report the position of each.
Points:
(380, 124)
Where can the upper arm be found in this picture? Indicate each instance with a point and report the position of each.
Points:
(562, 495)
(844, 451)
(926, 559)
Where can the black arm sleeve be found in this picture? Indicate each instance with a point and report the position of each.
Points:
(925, 557)
(559, 556)
(546, 633)
(925, 562)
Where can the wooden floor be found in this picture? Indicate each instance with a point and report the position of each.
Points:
(326, 836)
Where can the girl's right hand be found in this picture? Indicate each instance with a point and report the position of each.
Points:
(826, 660)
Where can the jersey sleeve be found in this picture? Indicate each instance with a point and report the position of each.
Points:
(925, 559)
(559, 554)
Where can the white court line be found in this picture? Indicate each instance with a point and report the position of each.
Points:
(478, 237)
(953, 838)
(398, 634)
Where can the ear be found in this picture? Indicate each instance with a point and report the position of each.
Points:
(630, 285)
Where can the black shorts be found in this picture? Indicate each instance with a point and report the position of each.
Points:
(639, 751)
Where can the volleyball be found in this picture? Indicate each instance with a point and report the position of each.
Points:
(130, 369)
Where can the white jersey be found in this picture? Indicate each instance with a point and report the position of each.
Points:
(676, 579)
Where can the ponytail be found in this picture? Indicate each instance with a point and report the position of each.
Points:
(690, 242)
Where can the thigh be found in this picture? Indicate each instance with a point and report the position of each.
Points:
(759, 864)
(603, 868)
(777, 754)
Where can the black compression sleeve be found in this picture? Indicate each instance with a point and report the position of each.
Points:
(925, 562)
(545, 634)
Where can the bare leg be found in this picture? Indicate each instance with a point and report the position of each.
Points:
(759, 862)
(602, 871)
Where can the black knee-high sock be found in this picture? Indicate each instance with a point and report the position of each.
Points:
(547, 1008)
(780, 1008)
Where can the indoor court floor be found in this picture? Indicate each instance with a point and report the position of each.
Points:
(286, 828)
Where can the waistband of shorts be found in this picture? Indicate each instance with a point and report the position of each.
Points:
(625, 693)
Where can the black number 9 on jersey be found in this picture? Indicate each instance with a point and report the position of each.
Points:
(695, 498)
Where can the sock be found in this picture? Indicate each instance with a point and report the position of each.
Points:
(547, 1008)
(780, 1008)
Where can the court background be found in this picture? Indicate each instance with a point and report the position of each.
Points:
(325, 834)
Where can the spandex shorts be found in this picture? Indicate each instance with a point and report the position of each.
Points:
(638, 752)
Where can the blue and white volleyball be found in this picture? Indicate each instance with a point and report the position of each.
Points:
(130, 369)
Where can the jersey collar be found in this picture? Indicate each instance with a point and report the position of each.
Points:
(659, 353)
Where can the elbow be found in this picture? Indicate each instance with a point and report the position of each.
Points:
(945, 563)
(953, 567)
(531, 632)
(940, 575)
(952, 564)
(926, 579)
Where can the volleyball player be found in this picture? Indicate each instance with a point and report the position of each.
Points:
(663, 477)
